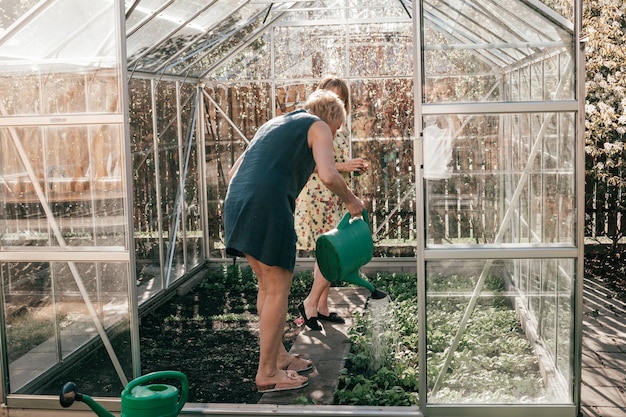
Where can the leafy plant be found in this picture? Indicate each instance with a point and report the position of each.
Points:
(493, 353)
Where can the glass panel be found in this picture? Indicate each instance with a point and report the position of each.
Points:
(254, 62)
(309, 51)
(168, 171)
(241, 28)
(103, 94)
(185, 31)
(381, 49)
(377, 9)
(62, 185)
(30, 319)
(302, 12)
(564, 7)
(58, 94)
(548, 286)
(49, 317)
(482, 327)
(498, 179)
(78, 178)
(476, 43)
(190, 220)
(168, 24)
(192, 214)
(64, 94)
(242, 108)
(381, 125)
(143, 147)
(291, 96)
(60, 36)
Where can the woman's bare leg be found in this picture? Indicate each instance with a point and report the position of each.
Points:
(322, 303)
(272, 298)
(284, 359)
(319, 289)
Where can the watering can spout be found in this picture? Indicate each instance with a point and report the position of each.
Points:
(69, 394)
(355, 278)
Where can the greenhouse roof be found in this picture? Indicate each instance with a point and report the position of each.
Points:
(192, 38)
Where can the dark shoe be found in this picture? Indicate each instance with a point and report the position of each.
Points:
(312, 322)
(332, 317)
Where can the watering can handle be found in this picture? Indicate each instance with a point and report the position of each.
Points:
(346, 220)
(162, 375)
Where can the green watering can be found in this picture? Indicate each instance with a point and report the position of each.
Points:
(342, 251)
(154, 400)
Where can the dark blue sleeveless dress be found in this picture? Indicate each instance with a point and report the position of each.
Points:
(260, 201)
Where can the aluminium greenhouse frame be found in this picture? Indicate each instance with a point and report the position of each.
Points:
(200, 79)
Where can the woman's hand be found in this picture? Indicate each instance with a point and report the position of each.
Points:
(355, 207)
(356, 165)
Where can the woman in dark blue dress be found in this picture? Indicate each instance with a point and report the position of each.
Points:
(259, 222)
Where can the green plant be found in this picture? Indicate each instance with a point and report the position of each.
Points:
(492, 353)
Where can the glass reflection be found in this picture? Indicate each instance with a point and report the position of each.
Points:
(53, 309)
(480, 44)
(484, 327)
(304, 52)
(482, 188)
(74, 174)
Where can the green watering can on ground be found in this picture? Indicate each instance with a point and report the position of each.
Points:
(342, 251)
(138, 400)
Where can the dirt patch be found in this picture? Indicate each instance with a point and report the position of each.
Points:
(218, 352)
(210, 337)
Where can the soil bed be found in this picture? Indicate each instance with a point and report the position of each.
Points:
(218, 355)
(210, 334)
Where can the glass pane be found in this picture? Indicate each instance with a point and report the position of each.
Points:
(77, 179)
(103, 95)
(291, 96)
(146, 225)
(55, 309)
(219, 46)
(59, 94)
(301, 12)
(241, 109)
(484, 327)
(165, 31)
(58, 37)
(169, 170)
(377, 9)
(497, 179)
(29, 315)
(564, 7)
(182, 35)
(548, 286)
(475, 44)
(62, 186)
(381, 49)
(309, 51)
(381, 125)
(191, 220)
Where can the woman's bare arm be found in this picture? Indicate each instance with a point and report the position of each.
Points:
(321, 142)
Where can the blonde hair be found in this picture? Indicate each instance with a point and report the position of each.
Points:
(332, 82)
(327, 106)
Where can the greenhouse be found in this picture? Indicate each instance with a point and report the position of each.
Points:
(120, 120)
